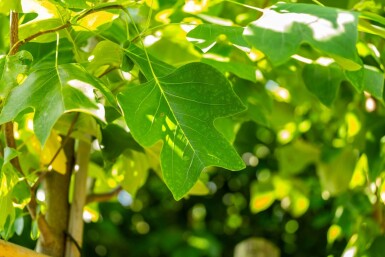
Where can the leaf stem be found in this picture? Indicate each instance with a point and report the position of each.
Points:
(38, 34)
(8, 127)
(103, 197)
(91, 11)
(68, 24)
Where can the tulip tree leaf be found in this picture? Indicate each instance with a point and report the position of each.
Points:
(205, 36)
(284, 27)
(179, 109)
(52, 92)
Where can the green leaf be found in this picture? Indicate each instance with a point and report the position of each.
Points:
(205, 36)
(7, 215)
(323, 81)
(6, 6)
(180, 109)
(135, 169)
(241, 70)
(52, 92)
(10, 68)
(115, 141)
(284, 27)
(369, 79)
(9, 154)
(157, 67)
(373, 81)
(106, 55)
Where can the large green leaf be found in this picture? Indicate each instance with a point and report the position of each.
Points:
(52, 92)
(284, 27)
(180, 109)
(205, 36)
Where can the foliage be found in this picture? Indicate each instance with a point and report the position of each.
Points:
(179, 89)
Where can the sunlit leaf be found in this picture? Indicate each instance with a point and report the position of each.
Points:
(95, 20)
(106, 55)
(52, 92)
(49, 16)
(284, 27)
(51, 147)
(199, 188)
(134, 168)
(188, 101)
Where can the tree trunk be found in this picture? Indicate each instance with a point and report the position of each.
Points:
(57, 191)
(75, 225)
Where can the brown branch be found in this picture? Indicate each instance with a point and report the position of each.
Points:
(44, 228)
(91, 11)
(38, 34)
(104, 196)
(8, 127)
(19, 43)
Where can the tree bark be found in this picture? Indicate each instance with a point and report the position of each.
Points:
(75, 225)
(57, 191)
